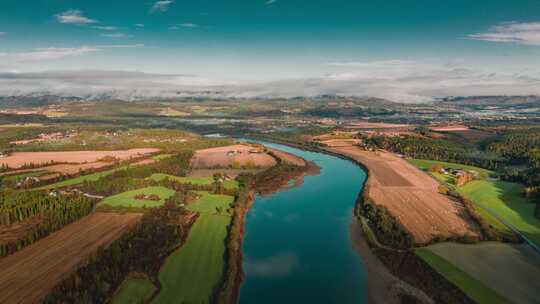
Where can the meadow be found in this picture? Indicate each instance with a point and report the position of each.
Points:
(134, 290)
(470, 286)
(229, 184)
(498, 200)
(509, 269)
(191, 273)
(127, 199)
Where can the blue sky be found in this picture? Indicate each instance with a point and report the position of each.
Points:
(250, 40)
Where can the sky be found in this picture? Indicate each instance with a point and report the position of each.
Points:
(405, 50)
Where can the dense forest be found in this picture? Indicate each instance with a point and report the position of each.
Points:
(40, 214)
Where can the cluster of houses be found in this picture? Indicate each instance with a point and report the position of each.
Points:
(232, 153)
(70, 192)
(46, 137)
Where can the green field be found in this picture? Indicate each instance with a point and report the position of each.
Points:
(470, 286)
(134, 290)
(191, 273)
(229, 184)
(127, 199)
(504, 199)
(78, 180)
(424, 164)
(512, 270)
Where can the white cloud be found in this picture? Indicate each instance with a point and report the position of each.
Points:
(3, 34)
(105, 28)
(270, 2)
(43, 54)
(527, 33)
(116, 35)
(121, 46)
(139, 25)
(189, 25)
(74, 17)
(161, 6)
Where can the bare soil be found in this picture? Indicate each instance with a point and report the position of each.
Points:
(31, 273)
(288, 157)
(11, 233)
(19, 159)
(412, 197)
(228, 156)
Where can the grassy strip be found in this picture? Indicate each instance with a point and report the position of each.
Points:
(79, 180)
(472, 287)
(192, 273)
(229, 184)
(18, 177)
(134, 290)
(127, 199)
(504, 199)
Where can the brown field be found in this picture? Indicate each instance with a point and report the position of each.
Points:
(411, 196)
(375, 125)
(31, 273)
(341, 142)
(232, 173)
(225, 157)
(19, 159)
(11, 233)
(449, 128)
(288, 157)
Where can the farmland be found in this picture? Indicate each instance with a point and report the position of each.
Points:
(19, 159)
(192, 273)
(510, 270)
(29, 274)
(495, 197)
(230, 184)
(472, 287)
(128, 199)
(234, 156)
(411, 196)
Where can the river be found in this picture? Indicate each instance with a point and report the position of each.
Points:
(297, 247)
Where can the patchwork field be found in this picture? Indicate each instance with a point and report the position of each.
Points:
(128, 199)
(19, 159)
(191, 273)
(499, 198)
(511, 270)
(411, 196)
(475, 289)
(230, 184)
(29, 274)
(231, 157)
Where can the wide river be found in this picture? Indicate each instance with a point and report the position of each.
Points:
(297, 247)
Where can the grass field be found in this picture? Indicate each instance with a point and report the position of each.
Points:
(229, 184)
(470, 286)
(505, 200)
(424, 164)
(510, 269)
(78, 180)
(191, 273)
(127, 199)
(134, 290)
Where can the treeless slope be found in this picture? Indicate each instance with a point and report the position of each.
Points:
(411, 196)
(28, 275)
(18, 159)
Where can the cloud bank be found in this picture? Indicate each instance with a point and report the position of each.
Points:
(161, 6)
(395, 80)
(527, 33)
